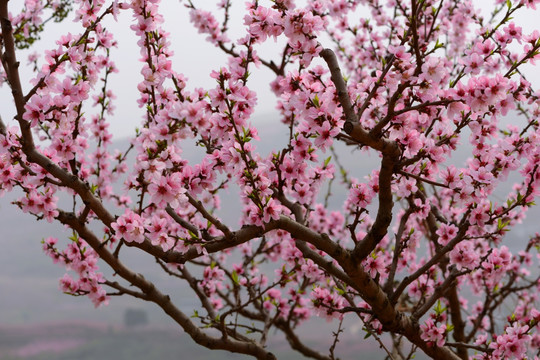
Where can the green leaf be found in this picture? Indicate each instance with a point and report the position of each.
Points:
(327, 161)
(316, 101)
(439, 309)
(234, 276)
(246, 132)
(501, 224)
(74, 237)
(438, 45)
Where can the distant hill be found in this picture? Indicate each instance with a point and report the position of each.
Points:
(91, 341)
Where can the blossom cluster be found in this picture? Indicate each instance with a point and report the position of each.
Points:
(82, 259)
(406, 88)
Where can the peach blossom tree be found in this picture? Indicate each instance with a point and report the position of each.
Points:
(418, 250)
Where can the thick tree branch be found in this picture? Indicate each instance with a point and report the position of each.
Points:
(384, 213)
(162, 300)
(391, 319)
(388, 148)
(457, 320)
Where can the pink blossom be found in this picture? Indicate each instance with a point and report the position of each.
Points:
(464, 255)
(433, 334)
(129, 226)
(360, 195)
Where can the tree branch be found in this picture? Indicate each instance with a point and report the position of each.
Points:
(162, 300)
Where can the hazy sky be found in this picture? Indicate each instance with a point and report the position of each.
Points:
(194, 57)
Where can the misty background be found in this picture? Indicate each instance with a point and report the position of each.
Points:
(38, 322)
